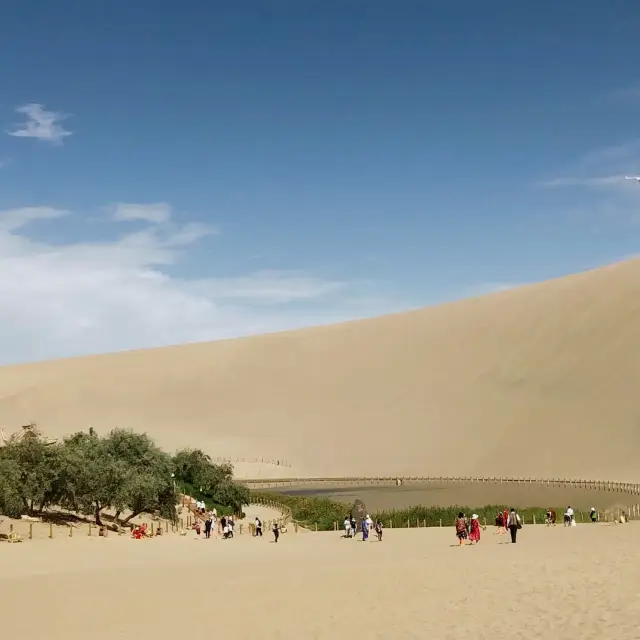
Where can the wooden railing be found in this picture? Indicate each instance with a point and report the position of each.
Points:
(594, 485)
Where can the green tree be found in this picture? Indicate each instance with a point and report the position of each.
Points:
(11, 499)
(38, 464)
(93, 478)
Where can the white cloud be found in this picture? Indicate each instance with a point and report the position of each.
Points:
(156, 212)
(603, 167)
(87, 297)
(595, 181)
(40, 124)
(13, 219)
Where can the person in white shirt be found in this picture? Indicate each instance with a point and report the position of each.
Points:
(568, 517)
(513, 524)
(347, 527)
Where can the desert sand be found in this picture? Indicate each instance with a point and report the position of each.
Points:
(539, 381)
(414, 584)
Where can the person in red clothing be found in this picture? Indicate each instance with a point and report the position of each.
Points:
(474, 533)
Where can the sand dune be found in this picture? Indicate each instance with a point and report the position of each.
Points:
(413, 584)
(537, 381)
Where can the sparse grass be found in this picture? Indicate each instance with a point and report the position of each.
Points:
(309, 510)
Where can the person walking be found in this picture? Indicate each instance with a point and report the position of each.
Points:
(347, 527)
(461, 528)
(276, 532)
(513, 524)
(474, 533)
(365, 529)
(593, 514)
(207, 527)
(258, 527)
(379, 529)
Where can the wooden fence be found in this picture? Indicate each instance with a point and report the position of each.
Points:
(594, 485)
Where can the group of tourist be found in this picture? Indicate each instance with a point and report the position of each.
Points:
(366, 525)
(468, 529)
(223, 528)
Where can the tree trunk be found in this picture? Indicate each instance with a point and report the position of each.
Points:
(97, 512)
(133, 515)
(117, 516)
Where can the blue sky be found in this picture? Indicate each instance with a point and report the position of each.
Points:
(173, 174)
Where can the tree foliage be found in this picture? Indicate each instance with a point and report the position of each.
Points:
(123, 470)
(194, 467)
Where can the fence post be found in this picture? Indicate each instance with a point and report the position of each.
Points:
(89, 528)
(440, 521)
(534, 518)
(316, 526)
(71, 531)
(31, 531)
(50, 530)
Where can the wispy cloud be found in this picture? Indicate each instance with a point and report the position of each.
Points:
(156, 212)
(14, 219)
(112, 295)
(40, 124)
(629, 94)
(596, 181)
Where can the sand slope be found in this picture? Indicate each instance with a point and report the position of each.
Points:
(539, 381)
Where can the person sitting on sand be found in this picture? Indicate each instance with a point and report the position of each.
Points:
(461, 528)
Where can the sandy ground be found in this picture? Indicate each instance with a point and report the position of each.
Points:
(414, 584)
(471, 495)
(538, 381)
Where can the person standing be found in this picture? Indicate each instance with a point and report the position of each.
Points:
(347, 527)
(276, 532)
(593, 514)
(513, 524)
(379, 529)
(207, 528)
(258, 527)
